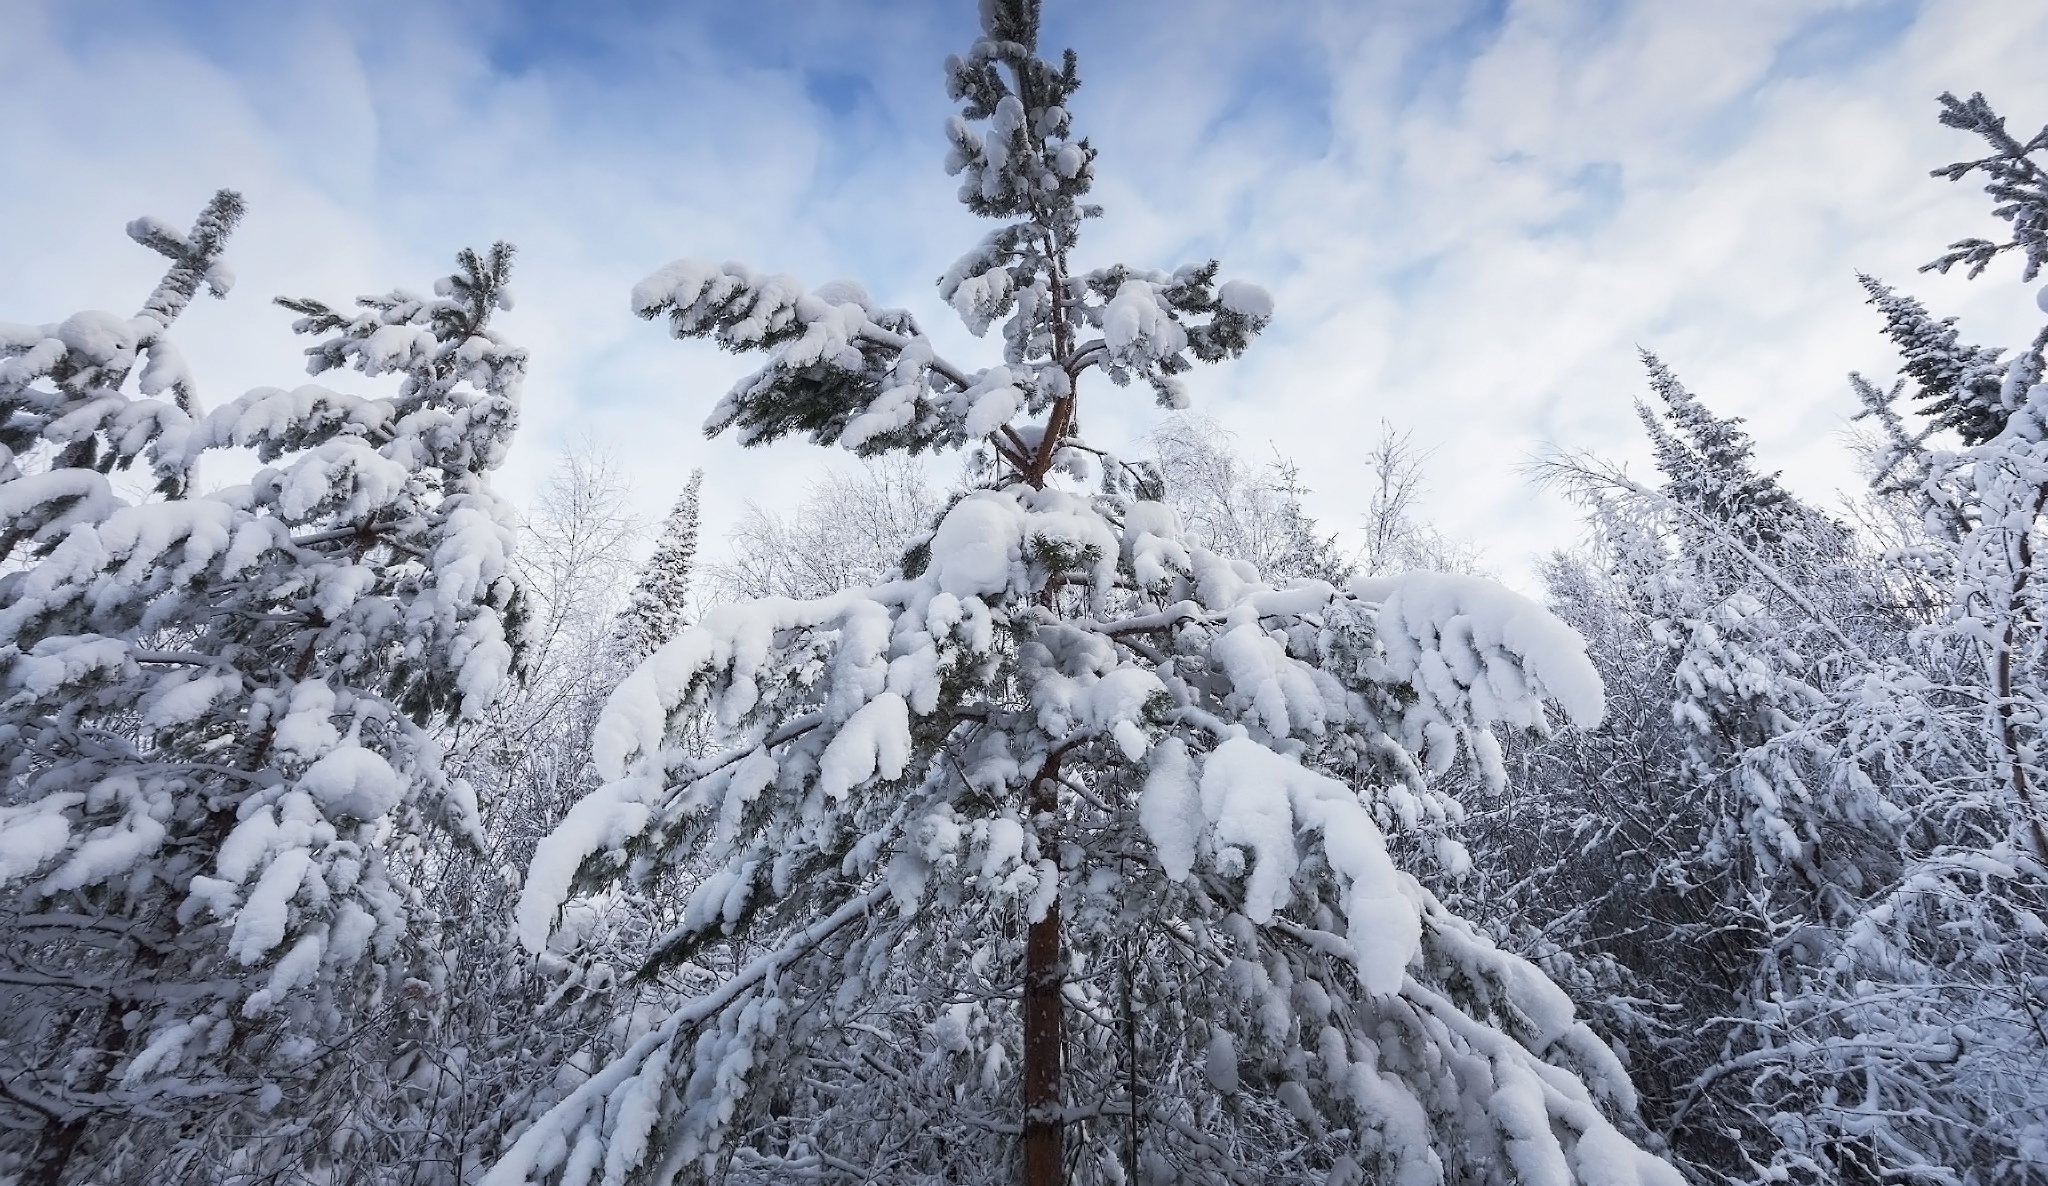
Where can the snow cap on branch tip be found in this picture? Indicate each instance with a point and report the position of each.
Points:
(1246, 299)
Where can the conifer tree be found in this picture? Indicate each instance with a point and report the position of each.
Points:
(1833, 844)
(659, 608)
(216, 720)
(1072, 852)
(1708, 464)
(1961, 387)
(65, 421)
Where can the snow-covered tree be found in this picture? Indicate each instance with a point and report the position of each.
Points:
(1933, 1017)
(427, 1093)
(1713, 834)
(65, 424)
(1708, 466)
(1961, 387)
(660, 605)
(851, 528)
(65, 421)
(216, 719)
(1825, 864)
(1076, 850)
(1239, 510)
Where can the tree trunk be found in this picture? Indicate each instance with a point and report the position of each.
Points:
(1043, 976)
(61, 1138)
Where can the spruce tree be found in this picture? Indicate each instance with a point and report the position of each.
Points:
(659, 608)
(1961, 387)
(1830, 840)
(1708, 464)
(1077, 851)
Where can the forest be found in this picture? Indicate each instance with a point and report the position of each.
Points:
(1072, 817)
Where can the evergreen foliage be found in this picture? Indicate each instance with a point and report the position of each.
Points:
(218, 713)
(1078, 850)
(1961, 387)
(660, 604)
(1820, 811)
(1707, 464)
(2015, 181)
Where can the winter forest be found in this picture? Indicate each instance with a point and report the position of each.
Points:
(1012, 810)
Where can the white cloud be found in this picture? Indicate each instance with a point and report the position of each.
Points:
(1470, 223)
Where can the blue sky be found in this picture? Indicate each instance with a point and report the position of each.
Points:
(1471, 214)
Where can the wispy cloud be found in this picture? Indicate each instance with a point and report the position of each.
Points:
(1471, 213)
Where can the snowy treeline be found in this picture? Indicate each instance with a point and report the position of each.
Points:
(1088, 818)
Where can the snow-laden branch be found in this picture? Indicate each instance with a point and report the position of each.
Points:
(519, 1164)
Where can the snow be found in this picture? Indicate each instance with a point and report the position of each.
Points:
(299, 966)
(975, 551)
(261, 923)
(108, 852)
(33, 833)
(345, 477)
(182, 700)
(602, 820)
(1246, 802)
(1219, 1061)
(166, 369)
(353, 783)
(248, 843)
(307, 726)
(992, 402)
(1136, 329)
(1467, 638)
(874, 740)
(1283, 698)
(50, 503)
(1170, 808)
(149, 227)
(1254, 797)
(1152, 543)
(1246, 299)
(267, 414)
(102, 338)
(1518, 1107)
(1005, 847)
(980, 297)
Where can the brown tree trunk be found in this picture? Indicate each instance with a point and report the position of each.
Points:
(1043, 976)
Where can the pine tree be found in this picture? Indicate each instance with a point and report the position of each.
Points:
(65, 421)
(659, 608)
(218, 736)
(1071, 852)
